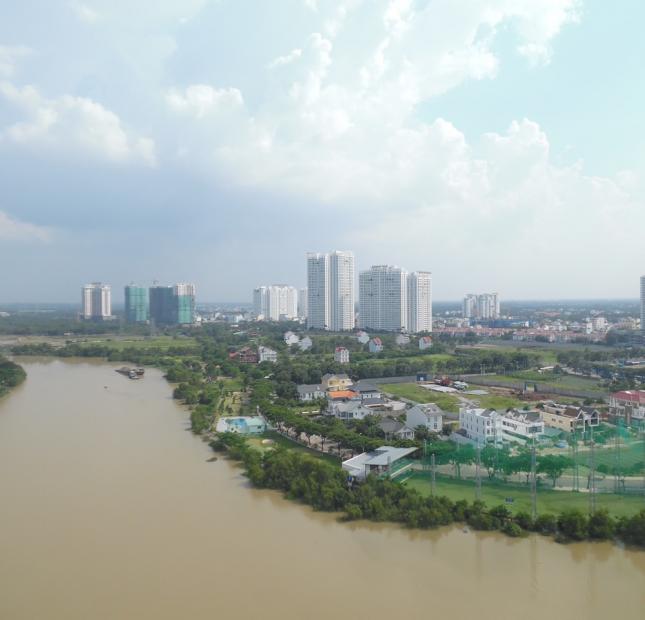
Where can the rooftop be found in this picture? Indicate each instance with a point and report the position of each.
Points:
(380, 457)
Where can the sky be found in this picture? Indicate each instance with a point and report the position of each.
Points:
(499, 144)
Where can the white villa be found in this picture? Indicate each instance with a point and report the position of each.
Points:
(429, 416)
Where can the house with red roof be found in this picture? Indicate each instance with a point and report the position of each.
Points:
(628, 406)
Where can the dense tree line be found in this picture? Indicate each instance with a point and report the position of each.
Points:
(324, 487)
(11, 375)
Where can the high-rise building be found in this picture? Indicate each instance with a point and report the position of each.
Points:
(330, 291)
(317, 291)
(420, 302)
(282, 302)
(341, 291)
(260, 308)
(277, 302)
(483, 306)
(184, 295)
(383, 293)
(96, 301)
(162, 305)
(643, 305)
(302, 303)
(136, 304)
(172, 305)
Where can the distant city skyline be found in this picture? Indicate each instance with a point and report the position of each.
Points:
(500, 146)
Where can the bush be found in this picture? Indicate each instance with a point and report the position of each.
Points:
(545, 524)
(572, 525)
(601, 526)
(513, 529)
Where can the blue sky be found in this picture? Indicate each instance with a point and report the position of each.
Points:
(498, 143)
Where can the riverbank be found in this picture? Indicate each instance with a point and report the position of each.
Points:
(324, 487)
(11, 375)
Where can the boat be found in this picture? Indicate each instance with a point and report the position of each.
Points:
(132, 373)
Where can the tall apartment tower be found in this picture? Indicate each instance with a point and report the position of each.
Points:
(383, 298)
(184, 294)
(483, 306)
(162, 305)
(136, 304)
(330, 291)
(260, 307)
(96, 301)
(420, 302)
(281, 302)
(341, 291)
(317, 291)
(643, 305)
(302, 303)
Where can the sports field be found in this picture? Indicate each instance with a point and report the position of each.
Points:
(548, 501)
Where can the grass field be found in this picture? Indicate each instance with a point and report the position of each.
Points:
(630, 455)
(158, 342)
(447, 402)
(497, 401)
(550, 379)
(279, 440)
(548, 501)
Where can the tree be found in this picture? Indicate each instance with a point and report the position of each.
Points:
(553, 465)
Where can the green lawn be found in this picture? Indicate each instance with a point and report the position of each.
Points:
(551, 379)
(158, 342)
(548, 501)
(630, 455)
(447, 402)
(279, 440)
(498, 402)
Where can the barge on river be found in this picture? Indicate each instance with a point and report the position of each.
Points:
(132, 373)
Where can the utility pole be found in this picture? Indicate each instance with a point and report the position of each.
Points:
(478, 472)
(592, 479)
(533, 482)
(434, 480)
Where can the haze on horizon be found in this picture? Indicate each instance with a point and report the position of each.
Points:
(498, 144)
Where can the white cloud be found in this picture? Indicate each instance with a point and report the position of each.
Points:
(85, 13)
(199, 100)
(12, 229)
(9, 57)
(72, 124)
(287, 59)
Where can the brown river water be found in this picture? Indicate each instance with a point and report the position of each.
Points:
(110, 510)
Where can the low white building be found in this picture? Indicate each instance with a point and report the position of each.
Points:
(341, 355)
(521, 426)
(425, 342)
(481, 426)
(305, 344)
(402, 340)
(307, 393)
(427, 415)
(376, 345)
(265, 354)
(363, 337)
(379, 461)
(393, 429)
(291, 338)
(350, 410)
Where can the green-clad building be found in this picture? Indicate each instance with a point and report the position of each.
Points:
(172, 305)
(136, 304)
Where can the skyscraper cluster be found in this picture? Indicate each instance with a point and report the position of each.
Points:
(162, 305)
(391, 299)
(96, 301)
(330, 291)
(278, 302)
(482, 306)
